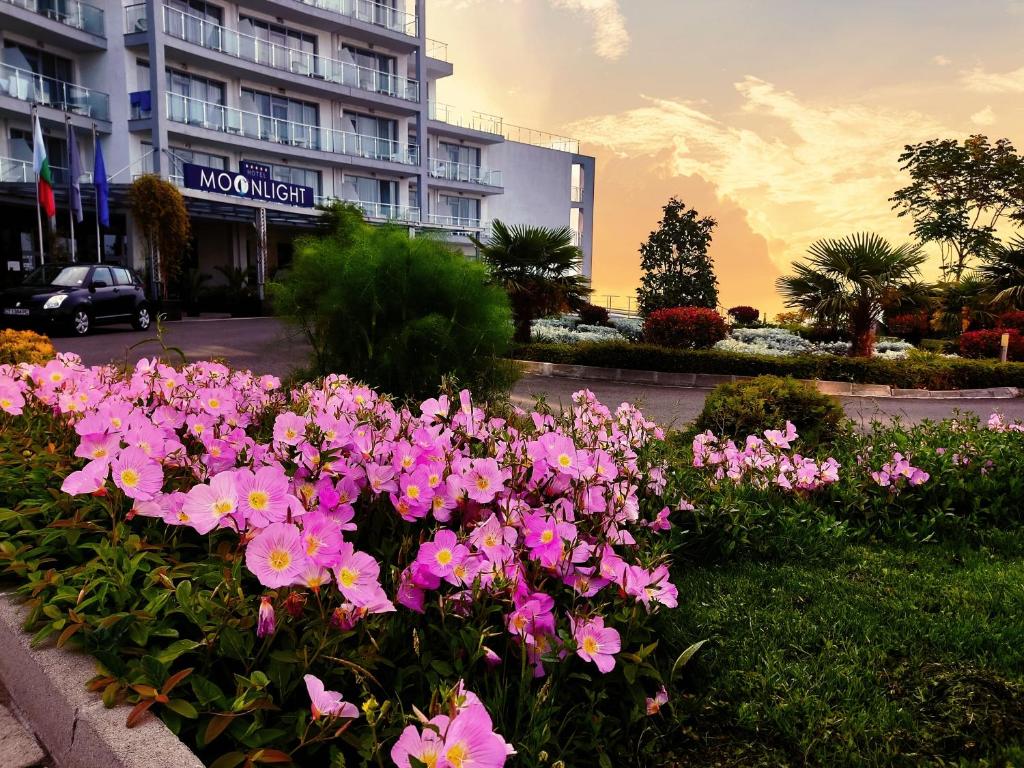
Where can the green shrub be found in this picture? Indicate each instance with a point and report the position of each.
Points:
(918, 372)
(685, 327)
(396, 312)
(768, 402)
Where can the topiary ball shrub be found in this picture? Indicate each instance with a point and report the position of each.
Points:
(592, 314)
(768, 402)
(744, 315)
(986, 343)
(1011, 320)
(685, 327)
(24, 347)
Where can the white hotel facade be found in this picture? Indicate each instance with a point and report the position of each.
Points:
(335, 96)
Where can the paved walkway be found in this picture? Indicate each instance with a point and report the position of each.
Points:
(18, 747)
(268, 346)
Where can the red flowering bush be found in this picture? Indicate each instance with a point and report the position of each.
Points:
(1011, 320)
(687, 327)
(592, 314)
(744, 315)
(986, 343)
(912, 326)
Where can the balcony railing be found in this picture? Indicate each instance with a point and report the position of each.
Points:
(379, 14)
(73, 13)
(193, 29)
(381, 211)
(453, 222)
(13, 171)
(26, 85)
(477, 121)
(437, 50)
(472, 174)
(540, 138)
(217, 117)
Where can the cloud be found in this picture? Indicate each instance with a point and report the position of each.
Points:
(986, 116)
(941, 61)
(611, 38)
(801, 171)
(982, 81)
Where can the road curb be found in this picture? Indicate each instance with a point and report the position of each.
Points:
(708, 380)
(47, 686)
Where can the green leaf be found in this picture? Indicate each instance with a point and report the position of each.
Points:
(183, 708)
(686, 655)
(174, 650)
(229, 760)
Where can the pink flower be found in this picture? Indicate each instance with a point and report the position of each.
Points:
(596, 643)
(12, 401)
(427, 747)
(275, 556)
(327, 703)
(660, 699)
(442, 555)
(208, 506)
(483, 481)
(136, 474)
(470, 741)
(289, 428)
(357, 575)
(89, 479)
(263, 495)
(265, 622)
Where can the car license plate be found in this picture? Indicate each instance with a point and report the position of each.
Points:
(15, 311)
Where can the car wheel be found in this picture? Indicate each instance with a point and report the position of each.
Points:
(80, 322)
(142, 319)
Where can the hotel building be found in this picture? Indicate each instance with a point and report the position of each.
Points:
(258, 110)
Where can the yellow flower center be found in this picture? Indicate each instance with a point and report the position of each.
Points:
(99, 452)
(457, 754)
(590, 645)
(444, 556)
(222, 507)
(490, 540)
(313, 545)
(213, 402)
(564, 460)
(5, 402)
(279, 559)
(116, 422)
(290, 433)
(483, 483)
(258, 500)
(460, 571)
(348, 577)
(129, 477)
(413, 491)
(56, 376)
(547, 536)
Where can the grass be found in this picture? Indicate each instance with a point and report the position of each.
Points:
(879, 656)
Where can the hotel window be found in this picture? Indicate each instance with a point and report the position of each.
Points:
(278, 46)
(370, 136)
(377, 11)
(276, 118)
(56, 152)
(305, 177)
(195, 100)
(195, 21)
(379, 196)
(39, 62)
(178, 156)
(456, 153)
(463, 210)
(370, 71)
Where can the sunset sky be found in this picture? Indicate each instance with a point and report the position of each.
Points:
(783, 119)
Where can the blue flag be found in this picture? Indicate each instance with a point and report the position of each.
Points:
(99, 180)
(74, 174)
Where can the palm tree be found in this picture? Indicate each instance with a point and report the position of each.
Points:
(851, 281)
(1003, 273)
(539, 267)
(963, 303)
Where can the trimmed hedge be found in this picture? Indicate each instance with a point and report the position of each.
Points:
(904, 374)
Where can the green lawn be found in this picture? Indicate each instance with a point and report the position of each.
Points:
(875, 656)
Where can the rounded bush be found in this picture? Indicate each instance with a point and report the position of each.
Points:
(744, 315)
(592, 314)
(24, 347)
(768, 402)
(684, 327)
(1011, 320)
(986, 343)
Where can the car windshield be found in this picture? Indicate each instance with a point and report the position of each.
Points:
(59, 277)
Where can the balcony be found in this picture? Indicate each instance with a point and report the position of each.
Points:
(71, 13)
(252, 125)
(25, 85)
(214, 37)
(404, 214)
(454, 222)
(437, 49)
(366, 11)
(464, 172)
(14, 171)
(473, 121)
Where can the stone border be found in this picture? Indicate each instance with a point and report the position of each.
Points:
(47, 686)
(707, 380)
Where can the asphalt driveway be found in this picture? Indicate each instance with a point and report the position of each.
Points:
(266, 345)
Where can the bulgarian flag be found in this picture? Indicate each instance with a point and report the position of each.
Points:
(41, 167)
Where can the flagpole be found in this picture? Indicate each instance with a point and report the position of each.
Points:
(39, 212)
(96, 189)
(71, 207)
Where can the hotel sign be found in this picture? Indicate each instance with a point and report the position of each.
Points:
(254, 182)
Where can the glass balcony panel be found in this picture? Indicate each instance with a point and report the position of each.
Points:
(26, 85)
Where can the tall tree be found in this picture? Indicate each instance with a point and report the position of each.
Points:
(539, 267)
(1002, 272)
(959, 193)
(851, 281)
(677, 269)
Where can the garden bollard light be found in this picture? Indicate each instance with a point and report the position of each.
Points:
(1004, 344)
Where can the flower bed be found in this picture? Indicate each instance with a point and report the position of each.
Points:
(779, 342)
(319, 576)
(924, 372)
